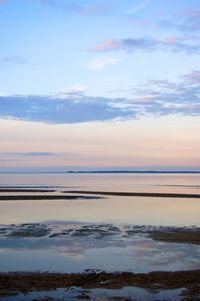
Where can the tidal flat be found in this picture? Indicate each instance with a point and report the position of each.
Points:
(186, 235)
(99, 237)
(180, 285)
(79, 246)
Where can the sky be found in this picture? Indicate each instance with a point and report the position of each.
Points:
(99, 84)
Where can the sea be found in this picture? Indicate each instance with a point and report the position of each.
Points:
(79, 234)
(113, 209)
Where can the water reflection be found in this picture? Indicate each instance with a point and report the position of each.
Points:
(130, 210)
(111, 252)
(123, 294)
(109, 182)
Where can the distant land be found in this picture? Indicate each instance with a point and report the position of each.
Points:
(130, 171)
(106, 172)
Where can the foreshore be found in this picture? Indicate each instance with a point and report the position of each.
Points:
(82, 285)
(19, 282)
(81, 236)
(186, 235)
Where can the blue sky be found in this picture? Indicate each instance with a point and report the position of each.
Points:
(95, 67)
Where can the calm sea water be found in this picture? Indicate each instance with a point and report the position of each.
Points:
(130, 210)
(183, 183)
(74, 255)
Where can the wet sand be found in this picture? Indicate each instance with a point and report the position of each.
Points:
(186, 235)
(15, 283)
(177, 236)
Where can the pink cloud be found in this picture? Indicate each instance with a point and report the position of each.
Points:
(173, 40)
(94, 9)
(108, 45)
(192, 78)
(189, 12)
(172, 43)
(78, 8)
(140, 22)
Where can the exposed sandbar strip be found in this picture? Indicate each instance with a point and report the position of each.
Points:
(46, 197)
(142, 194)
(25, 190)
(31, 186)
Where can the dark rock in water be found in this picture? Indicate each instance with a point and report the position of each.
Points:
(189, 236)
(83, 296)
(34, 230)
(118, 298)
(7, 293)
(44, 299)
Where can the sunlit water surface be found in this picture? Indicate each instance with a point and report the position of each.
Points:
(73, 255)
(131, 210)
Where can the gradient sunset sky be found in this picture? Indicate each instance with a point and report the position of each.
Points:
(105, 84)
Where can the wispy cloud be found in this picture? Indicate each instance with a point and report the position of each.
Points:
(153, 98)
(101, 63)
(192, 22)
(78, 8)
(13, 60)
(166, 97)
(192, 78)
(142, 22)
(107, 45)
(40, 154)
(28, 154)
(176, 44)
(137, 7)
(189, 23)
(22, 156)
(187, 12)
(64, 108)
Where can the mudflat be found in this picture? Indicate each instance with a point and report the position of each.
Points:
(27, 282)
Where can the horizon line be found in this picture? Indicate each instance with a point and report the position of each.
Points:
(105, 172)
